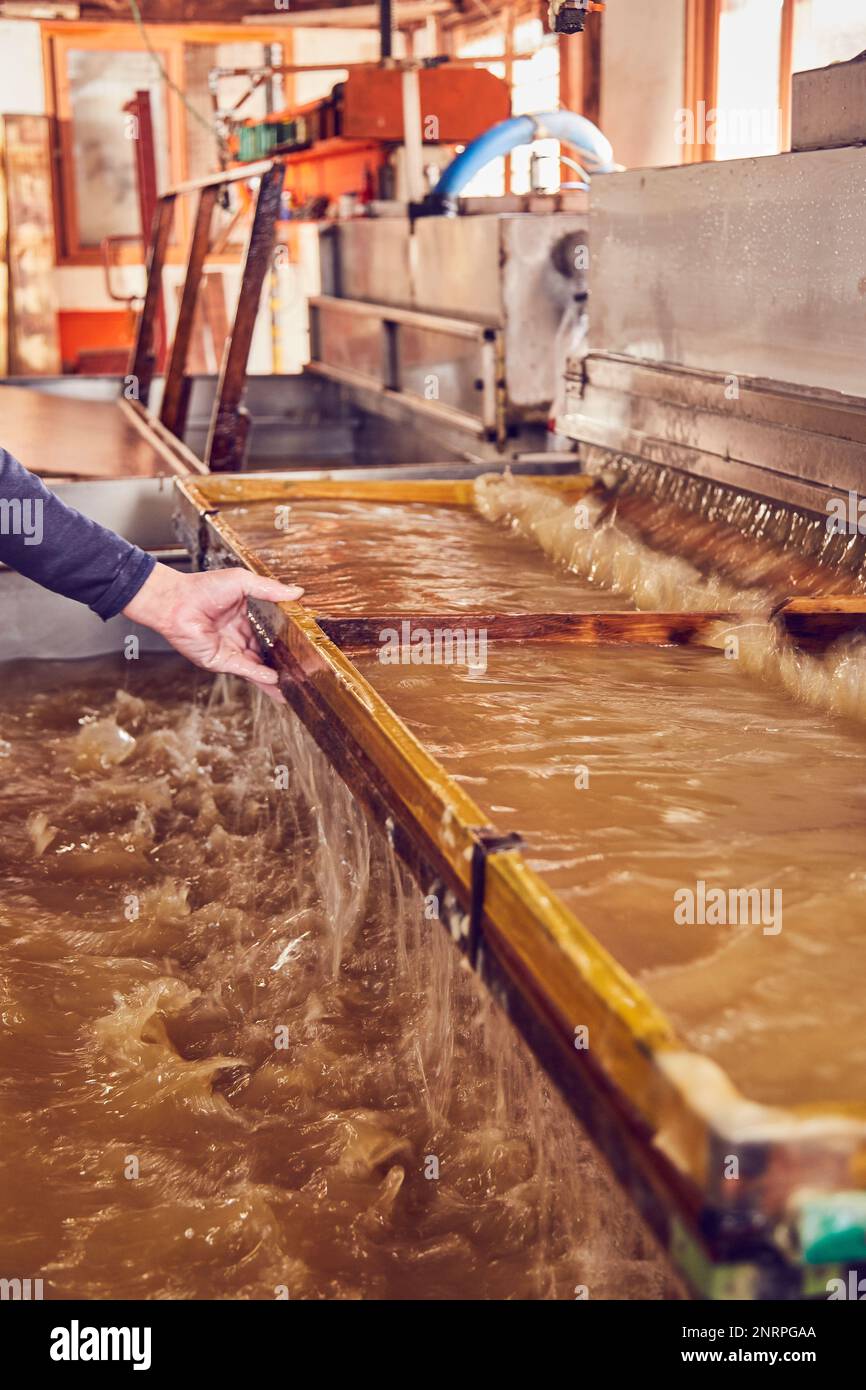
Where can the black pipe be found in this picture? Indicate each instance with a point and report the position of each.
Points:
(386, 27)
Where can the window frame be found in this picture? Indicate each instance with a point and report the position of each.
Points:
(703, 27)
(169, 40)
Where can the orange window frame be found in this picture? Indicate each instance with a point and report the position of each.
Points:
(169, 41)
(58, 43)
(703, 22)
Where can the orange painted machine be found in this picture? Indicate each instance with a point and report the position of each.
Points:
(344, 142)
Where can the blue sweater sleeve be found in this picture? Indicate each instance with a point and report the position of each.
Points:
(59, 548)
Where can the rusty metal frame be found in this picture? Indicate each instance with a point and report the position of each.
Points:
(230, 423)
(643, 1095)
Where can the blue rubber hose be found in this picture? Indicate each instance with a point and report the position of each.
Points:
(501, 139)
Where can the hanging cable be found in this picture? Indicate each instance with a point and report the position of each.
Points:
(169, 81)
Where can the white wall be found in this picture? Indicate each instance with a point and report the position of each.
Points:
(22, 91)
(327, 46)
(643, 79)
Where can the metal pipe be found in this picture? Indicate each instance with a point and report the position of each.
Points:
(413, 135)
(217, 74)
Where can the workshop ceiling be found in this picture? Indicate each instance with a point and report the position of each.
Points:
(340, 13)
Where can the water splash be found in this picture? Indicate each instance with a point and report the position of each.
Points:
(698, 562)
(704, 512)
(286, 1122)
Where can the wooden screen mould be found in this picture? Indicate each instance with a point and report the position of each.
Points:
(664, 1116)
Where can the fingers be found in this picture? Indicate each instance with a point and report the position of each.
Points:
(210, 626)
(257, 586)
(274, 694)
(239, 664)
(262, 677)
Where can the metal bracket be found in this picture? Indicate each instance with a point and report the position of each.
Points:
(487, 842)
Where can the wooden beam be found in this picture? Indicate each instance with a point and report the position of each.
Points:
(813, 623)
(591, 45)
(32, 336)
(216, 492)
(582, 629)
(580, 71)
(226, 444)
(786, 70)
(180, 459)
(702, 71)
(175, 397)
(218, 11)
(143, 361)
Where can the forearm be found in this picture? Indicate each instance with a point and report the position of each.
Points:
(62, 550)
(203, 616)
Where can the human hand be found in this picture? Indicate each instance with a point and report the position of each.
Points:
(204, 617)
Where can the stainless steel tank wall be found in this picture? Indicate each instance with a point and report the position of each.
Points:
(752, 266)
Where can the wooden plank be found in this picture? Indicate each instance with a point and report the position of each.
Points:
(176, 455)
(231, 12)
(146, 186)
(813, 623)
(226, 491)
(229, 426)
(62, 436)
(33, 332)
(219, 180)
(584, 629)
(175, 397)
(701, 68)
(143, 360)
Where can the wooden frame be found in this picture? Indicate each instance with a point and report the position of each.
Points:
(640, 1083)
(786, 70)
(58, 40)
(702, 67)
(61, 41)
(580, 70)
(30, 343)
(703, 19)
(226, 444)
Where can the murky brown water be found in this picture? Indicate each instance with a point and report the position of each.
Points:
(635, 772)
(360, 557)
(235, 1054)
(666, 557)
(239, 1062)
